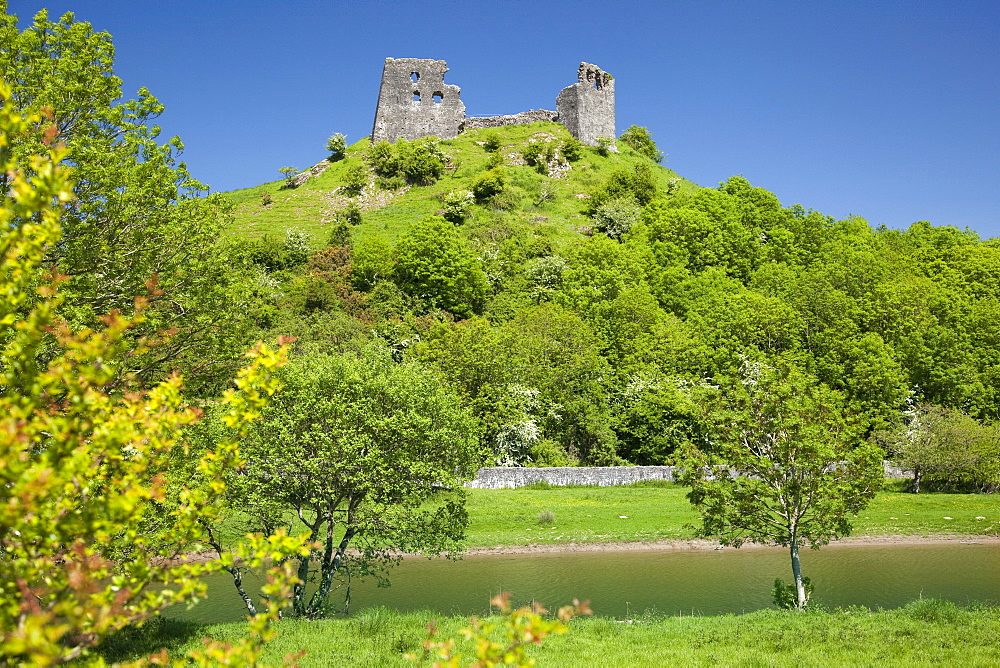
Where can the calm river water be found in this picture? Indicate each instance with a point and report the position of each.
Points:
(707, 582)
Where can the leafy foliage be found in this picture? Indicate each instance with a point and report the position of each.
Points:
(337, 146)
(641, 140)
(434, 265)
(783, 466)
(522, 627)
(419, 162)
(91, 529)
(369, 454)
(138, 214)
(946, 448)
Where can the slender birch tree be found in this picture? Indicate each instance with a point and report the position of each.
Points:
(784, 466)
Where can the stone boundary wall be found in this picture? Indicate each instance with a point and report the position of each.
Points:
(510, 477)
(523, 118)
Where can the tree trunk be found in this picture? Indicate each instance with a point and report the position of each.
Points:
(232, 570)
(299, 589)
(915, 483)
(800, 588)
(238, 581)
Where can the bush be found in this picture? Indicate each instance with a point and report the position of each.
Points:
(495, 160)
(492, 143)
(786, 597)
(489, 184)
(622, 182)
(572, 149)
(419, 162)
(340, 233)
(436, 266)
(457, 205)
(337, 146)
(289, 173)
(383, 158)
(265, 199)
(296, 247)
(355, 179)
(605, 145)
(617, 216)
(546, 518)
(641, 140)
(351, 214)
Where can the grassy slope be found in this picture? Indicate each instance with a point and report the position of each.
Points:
(594, 514)
(924, 633)
(311, 207)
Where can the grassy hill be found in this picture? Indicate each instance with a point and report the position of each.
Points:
(554, 205)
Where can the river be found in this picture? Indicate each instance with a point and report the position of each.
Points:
(623, 584)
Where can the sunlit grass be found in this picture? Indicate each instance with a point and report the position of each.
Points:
(609, 514)
(925, 632)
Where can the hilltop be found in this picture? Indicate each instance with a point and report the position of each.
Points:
(554, 206)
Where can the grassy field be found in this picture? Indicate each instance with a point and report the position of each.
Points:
(926, 632)
(504, 518)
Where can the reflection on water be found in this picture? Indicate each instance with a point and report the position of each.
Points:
(707, 582)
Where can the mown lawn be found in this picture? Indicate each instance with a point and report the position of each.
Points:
(607, 514)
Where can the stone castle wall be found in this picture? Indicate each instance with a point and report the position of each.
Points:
(523, 118)
(587, 108)
(414, 101)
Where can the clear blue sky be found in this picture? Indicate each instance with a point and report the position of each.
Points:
(888, 110)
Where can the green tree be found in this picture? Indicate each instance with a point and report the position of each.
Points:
(782, 466)
(945, 447)
(641, 140)
(138, 218)
(434, 264)
(637, 182)
(89, 540)
(289, 173)
(369, 455)
(337, 146)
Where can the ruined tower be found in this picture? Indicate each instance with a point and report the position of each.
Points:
(414, 101)
(587, 108)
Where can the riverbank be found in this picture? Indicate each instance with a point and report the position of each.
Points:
(530, 519)
(705, 545)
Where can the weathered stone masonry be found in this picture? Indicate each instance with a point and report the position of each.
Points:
(414, 101)
(509, 477)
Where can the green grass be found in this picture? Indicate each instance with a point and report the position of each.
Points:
(312, 206)
(924, 633)
(594, 514)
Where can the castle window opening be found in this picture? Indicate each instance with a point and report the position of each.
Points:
(415, 77)
(416, 96)
(438, 97)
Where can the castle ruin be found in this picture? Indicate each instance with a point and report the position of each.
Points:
(414, 101)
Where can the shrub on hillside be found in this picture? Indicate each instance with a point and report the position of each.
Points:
(489, 184)
(492, 143)
(355, 179)
(457, 205)
(337, 146)
(617, 216)
(641, 140)
(572, 149)
(638, 182)
(419, 162)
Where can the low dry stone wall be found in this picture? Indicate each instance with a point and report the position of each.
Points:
(523, 118)
(509, 477)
